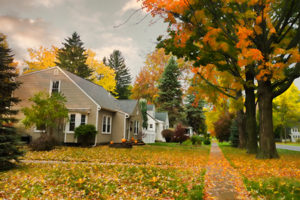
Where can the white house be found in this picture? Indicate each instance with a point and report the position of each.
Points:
(295, 134)
(157, 122)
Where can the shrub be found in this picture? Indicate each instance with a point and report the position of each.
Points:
(222, 127)
(43, 143)
(168, 135)
(206, 141)
(196, 139)
(85, 134)
(180, 134)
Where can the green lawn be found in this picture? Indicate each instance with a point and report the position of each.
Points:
(267, 179)
(151, 172)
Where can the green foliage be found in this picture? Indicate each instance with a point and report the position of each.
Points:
(46, 111)
(117, 62)
(170, 94)
(195, 114)
(8, 136)
(43, 143)
(85, 130)
(222, 127)
(143, 105)
(168, 134)
(274, 188)
(196, 139)
(234, 134)
(72, 57)
(207, 141)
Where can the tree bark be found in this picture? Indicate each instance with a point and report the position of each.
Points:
(250, 111)
(242, 129)
(266, 140)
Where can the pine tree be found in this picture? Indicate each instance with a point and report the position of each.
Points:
(117, 62)
(195, 114)
(8, 136)
(72, 57)
(170, 94)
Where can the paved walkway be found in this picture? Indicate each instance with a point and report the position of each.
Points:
(222, 181)
(288, 147)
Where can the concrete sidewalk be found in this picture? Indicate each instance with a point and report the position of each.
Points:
(288, 147)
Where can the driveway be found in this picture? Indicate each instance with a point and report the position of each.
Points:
(288, 147)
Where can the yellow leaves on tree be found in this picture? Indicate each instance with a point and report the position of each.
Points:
(102, 75)
(40, 59)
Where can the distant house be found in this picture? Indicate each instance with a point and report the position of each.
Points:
(157, 122)
(295, 134)
(134, 119)
(87, 103)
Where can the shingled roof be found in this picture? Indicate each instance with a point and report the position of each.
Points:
(96, 92)
(162, 116)
(128, 106)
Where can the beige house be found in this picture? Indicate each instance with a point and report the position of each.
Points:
(134, 119)
(87, 103)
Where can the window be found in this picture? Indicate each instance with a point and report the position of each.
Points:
(72, 122)
(106, 124)
(83, 120)
(150, 125)
(55, 87)
(136, 127)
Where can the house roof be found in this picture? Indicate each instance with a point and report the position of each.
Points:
(128, 106)
(150, 107)
(162, 116)
(96, 92)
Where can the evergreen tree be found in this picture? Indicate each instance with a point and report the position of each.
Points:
(117, 62)
(72, 57)
(170, 94)
(195, 114)
(8, 136)
(143, 105)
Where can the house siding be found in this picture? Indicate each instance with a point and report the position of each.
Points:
(40, 81)
(119, 127)
(136, 115)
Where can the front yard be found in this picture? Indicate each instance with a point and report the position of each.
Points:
(143, 172)
(267, 179)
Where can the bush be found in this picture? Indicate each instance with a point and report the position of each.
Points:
(85, 134)
(196, 139)
(168, 135)
(43, 143)
(180, 134)
(222, 127)
(207, 141)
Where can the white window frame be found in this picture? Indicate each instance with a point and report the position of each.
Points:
(105, 124)
(38, 131)
(51, 85)
(77, 121)
(136, 127)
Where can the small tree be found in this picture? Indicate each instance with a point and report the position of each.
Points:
(46, 112)
(222, 127)
(8, 137)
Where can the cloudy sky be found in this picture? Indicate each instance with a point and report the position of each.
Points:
(32, 23)
(102, 25)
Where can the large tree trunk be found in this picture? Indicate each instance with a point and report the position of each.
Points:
(250, 112)
(242, 129)
(266, 140)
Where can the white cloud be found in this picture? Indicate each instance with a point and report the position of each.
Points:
(128, 48)
(131, 5)
(28, 33)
